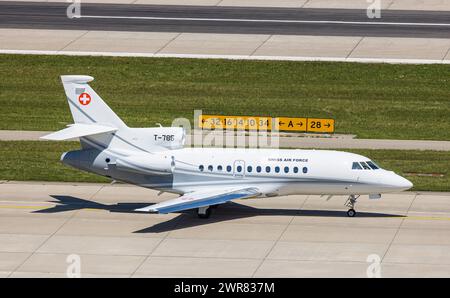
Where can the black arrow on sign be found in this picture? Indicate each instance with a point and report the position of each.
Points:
(328, 125)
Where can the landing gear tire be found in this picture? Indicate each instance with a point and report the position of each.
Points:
(351, 213)
(351, 202)
(204, 212)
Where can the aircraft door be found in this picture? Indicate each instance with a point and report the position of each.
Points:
(239, 169)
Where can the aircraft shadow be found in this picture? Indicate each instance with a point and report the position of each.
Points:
(232, 211)
(70, 203)
(186, 219)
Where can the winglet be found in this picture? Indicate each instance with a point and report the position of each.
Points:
(147, 209)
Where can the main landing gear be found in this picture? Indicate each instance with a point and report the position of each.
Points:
(351, 201)
(204, 212)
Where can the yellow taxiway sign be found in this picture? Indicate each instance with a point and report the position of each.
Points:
(321, 125)
(235, 122)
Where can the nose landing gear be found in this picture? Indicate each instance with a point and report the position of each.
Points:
(351, 201)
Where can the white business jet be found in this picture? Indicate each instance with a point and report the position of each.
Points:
(206, 177)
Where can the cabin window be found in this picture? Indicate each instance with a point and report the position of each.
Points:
(364, 165)
(258, 169)
(210, 168)
(249, 169)
(296, 170)
(277, 169)
(219, 168)
(356, 166)
(201, 168)
(267, 169)
(372, 165)
(228, 168)
(305, 170)
(239, 169)
(286, 170)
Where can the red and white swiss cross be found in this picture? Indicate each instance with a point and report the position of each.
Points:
(84, 98)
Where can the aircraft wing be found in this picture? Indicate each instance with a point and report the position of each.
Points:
(201, 199)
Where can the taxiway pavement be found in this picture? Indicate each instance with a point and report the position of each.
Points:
(443, 5)
(323, 33)
(285, 141)
(42, 225)
(236, 20)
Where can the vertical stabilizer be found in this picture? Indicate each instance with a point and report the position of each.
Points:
(86, 105)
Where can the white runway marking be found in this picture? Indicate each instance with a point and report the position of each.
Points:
(269, 21)
(228, 57)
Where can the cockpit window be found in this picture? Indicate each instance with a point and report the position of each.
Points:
(372, 165)
(365, 166)
(356, 166)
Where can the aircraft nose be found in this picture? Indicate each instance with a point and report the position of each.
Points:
(401, 183)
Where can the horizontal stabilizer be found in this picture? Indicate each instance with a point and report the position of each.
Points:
(77, 79)
(78, 130)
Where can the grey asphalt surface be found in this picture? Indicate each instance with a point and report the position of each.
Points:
(43, 223)
(53, 16)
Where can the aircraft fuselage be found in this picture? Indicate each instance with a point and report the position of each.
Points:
(273, 172)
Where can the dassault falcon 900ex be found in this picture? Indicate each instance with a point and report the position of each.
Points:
(205, 177)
